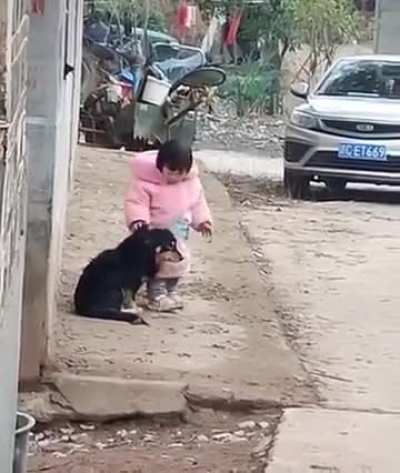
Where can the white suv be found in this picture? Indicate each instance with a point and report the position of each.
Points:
(349, 128)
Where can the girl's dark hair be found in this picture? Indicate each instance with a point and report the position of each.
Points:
(175, 157)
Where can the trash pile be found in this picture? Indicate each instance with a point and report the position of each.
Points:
(83, 438)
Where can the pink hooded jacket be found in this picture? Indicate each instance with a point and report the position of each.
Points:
(151, 199)
(159, 204)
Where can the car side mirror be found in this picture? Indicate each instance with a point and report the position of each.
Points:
(300, 90)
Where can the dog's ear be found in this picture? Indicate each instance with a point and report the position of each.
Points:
(144, 235)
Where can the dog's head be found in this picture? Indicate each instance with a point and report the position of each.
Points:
(161, 243)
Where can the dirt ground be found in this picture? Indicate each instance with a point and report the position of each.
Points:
(328, 268)
(227, 344)
(220, 343)
(210, 442)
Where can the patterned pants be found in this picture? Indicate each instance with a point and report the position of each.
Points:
(161, 287)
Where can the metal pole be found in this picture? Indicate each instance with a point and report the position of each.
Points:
(377, 25)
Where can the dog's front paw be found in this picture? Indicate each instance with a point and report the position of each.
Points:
(137, 320)
(133, 317)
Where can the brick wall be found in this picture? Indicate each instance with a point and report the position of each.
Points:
(13, 193)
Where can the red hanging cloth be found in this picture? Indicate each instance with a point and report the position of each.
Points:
(234, 24)
(38, 7)
(182, 19)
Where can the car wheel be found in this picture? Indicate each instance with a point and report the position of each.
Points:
(296, 185)
(336, 186)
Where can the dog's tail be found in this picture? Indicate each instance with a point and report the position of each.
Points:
(114, 314)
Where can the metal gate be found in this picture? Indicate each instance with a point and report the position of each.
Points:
(13, 191)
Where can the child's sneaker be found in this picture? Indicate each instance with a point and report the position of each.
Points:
(163, 303)
(177, 299)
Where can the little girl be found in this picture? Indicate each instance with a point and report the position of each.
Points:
(165, 192)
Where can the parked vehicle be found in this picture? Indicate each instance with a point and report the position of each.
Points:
(109, 34)
(140, 87)
(348, 130)
(136, 102)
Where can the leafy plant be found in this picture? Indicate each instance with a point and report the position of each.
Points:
(135, 11)
(284, 25)
(251, 88)
(324, 25)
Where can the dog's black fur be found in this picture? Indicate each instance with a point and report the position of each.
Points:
(101, 287)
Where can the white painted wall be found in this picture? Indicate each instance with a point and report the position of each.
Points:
(387, 36)
(53, 109)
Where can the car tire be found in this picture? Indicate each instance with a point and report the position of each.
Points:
(336, 186)
(296, 185)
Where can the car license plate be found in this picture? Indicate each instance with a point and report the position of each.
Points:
(362, 151)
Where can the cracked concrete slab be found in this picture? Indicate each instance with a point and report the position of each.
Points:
(330, 441)
(99, 398)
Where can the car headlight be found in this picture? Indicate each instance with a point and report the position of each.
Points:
(304, 120)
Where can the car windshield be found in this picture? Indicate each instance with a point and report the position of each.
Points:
(366, 78)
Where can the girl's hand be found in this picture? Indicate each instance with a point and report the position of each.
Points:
(137, 225)
(206, 229)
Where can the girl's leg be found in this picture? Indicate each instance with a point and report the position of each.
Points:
(171, 285)
(156, 288)
(158, 292)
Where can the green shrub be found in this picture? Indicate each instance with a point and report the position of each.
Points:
(252, 88)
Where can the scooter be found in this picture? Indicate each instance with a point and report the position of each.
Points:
(138, 107)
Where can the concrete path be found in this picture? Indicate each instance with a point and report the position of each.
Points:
(333, 276)
(225, 347)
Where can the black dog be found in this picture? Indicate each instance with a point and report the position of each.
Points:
(105, 280)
